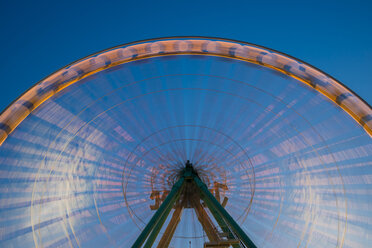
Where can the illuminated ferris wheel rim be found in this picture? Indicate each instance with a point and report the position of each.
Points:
(333, 89)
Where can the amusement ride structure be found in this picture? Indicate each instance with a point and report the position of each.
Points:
(186, 142)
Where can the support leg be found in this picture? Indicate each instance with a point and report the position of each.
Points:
(211, 202)
(206, 222)
(171, 228)
(169, 201)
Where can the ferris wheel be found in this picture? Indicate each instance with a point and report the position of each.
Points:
(186, 142)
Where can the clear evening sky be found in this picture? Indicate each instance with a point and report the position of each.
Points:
(39, 37)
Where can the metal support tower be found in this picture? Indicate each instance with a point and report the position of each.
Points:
(188, 191)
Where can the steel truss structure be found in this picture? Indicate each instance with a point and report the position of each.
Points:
(189, 191)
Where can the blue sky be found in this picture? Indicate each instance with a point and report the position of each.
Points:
(39, 37)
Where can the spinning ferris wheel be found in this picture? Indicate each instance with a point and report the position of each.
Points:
(186, 142)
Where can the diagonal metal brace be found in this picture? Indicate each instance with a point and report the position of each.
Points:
(212, 203)
(168, 203)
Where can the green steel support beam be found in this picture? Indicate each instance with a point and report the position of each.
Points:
(221, 222)
(212, 203)
(155, 232)
(171, 228)
(168, 203)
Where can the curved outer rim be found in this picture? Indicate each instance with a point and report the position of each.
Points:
(330, 87)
